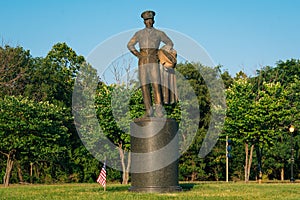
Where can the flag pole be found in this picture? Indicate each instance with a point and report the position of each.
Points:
(104, 188)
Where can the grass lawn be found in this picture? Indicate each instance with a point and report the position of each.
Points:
(207, 190)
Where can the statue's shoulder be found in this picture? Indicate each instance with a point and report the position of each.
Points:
(159, 31)
(139, 32)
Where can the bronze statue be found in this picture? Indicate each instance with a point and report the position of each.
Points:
(149, 40)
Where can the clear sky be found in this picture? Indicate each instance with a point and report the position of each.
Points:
(238, 34)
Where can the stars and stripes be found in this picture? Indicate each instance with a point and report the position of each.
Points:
(102, 176)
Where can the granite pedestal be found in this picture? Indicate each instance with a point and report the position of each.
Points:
(155, 154)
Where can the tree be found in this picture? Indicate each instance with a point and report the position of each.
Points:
(53, 77)
(287, 74)
(283, 72)
(258, 117)
(33, 132)
(270, 114)
(15, 62)
(202, 87)
(239, 98)
(227, 79)
(115, 114)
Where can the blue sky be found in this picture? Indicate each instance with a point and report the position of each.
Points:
(238, 34)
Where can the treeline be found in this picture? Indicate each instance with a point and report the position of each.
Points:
(39, 135)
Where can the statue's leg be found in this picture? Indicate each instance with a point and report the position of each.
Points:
(157, 92)
(147, 100)
(145, 87)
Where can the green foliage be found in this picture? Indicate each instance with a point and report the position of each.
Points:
(36, 131)
(204, 110)
(36, 119)
(15, 64)
(261, 109)
(52, 77)
(256, 118)
(227, 79)
(108, 110)
(24, 123)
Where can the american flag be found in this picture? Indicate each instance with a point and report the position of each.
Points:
(102, 176)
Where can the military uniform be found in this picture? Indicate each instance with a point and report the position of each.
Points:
(149, 40)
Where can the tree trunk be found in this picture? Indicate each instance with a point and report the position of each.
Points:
(125, 176)
(282, 174)
(216, 174)
(194, 173)
(250, 160)
(128, 167)
(121, 153)
(36, 171)
(259, 158)
(246, 162)
(9, 166)
(20, 174)
(194, 176)
(31, 172)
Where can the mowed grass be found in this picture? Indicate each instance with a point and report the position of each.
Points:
(207, 190)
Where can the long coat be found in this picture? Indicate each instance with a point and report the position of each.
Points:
(168, 83)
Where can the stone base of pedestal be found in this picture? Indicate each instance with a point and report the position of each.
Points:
(156, 189)
(154, 160)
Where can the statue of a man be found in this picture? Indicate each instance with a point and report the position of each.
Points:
(149, 40)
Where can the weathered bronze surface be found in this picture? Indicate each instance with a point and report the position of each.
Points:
(149, 40)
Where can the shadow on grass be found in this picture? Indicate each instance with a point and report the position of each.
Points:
(122, 188)
(187, 186)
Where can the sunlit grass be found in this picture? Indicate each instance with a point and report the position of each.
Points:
(205, 190)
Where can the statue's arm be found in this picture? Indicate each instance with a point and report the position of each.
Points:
(165, 39)
(131, 46)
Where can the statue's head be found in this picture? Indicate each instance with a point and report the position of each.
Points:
(148, 17)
